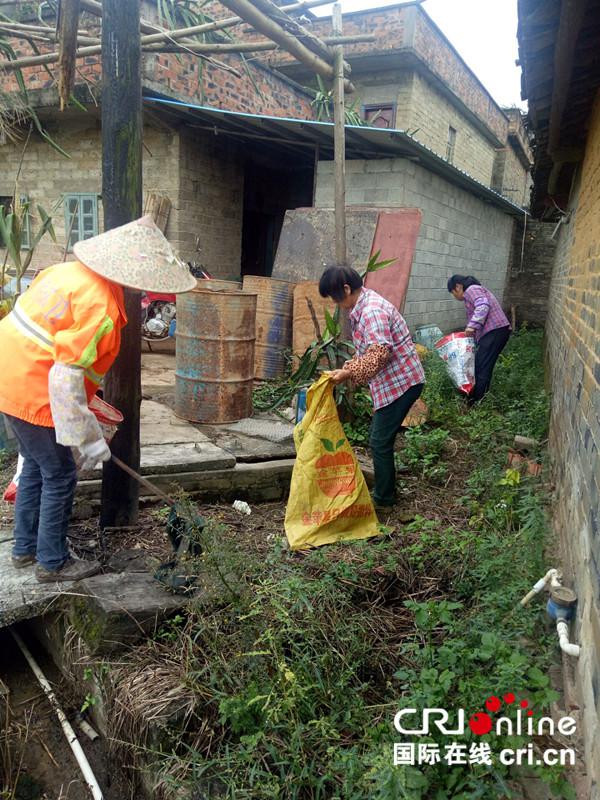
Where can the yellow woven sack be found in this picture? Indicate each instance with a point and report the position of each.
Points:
(329, 499)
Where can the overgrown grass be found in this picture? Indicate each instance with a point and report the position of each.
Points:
(298, 674)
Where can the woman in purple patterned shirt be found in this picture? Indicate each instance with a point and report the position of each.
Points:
(487, 323)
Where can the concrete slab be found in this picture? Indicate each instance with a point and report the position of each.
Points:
(158, 371)
(307, 241)
(256, 482)
(159, 425)
(21, 596)
(187, 457)
(273, 429)
(263, 438)
(244, 449)
(119, 608)
(170, 444)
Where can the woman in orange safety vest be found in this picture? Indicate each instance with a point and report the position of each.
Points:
(58, 342)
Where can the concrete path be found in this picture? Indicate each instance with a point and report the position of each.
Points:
(172, 446)
(261, 438)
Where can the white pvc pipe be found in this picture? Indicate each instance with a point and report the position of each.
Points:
(87, 729)
(562, 628)
(550, 577)
(84, 765)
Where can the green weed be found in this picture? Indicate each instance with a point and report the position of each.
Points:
(301, 671)
(423, 451)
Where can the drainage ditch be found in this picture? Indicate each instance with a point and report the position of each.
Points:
(36, 761)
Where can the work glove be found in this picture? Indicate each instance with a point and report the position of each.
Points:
(76, 426)
(88, 455)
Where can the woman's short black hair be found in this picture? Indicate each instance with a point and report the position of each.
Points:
(335, 278)
(464, 280)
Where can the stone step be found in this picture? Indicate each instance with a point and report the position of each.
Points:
(264, 481)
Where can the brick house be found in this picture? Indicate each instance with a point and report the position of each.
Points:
(415, 80)
(558, 50)
(231, 170)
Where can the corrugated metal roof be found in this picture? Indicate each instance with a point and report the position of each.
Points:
(303, 135)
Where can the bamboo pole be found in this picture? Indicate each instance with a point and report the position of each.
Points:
(339, 118)
(273, 12)
(164, 36)
(94, 7)
(67, 24)
(20, 26)
(46, 58)
(263, 24)
(95, 50)
(178, 47)
(249, 47)
(49, 38)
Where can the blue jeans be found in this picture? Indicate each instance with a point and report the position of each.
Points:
(45, 494)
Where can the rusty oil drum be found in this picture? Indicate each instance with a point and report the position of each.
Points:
(214, 355)
(217, 285)
(273, 324)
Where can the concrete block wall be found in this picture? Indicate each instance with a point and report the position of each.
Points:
(46, 176)
(459, 232)
(514, 181)
(422, 108)
(210, 204)
(385, 87)
(530, 271)
(432, 114)
(573, 357)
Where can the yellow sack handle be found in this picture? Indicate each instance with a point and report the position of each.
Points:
(329, 499)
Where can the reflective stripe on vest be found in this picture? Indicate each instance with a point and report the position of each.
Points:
(30, 329)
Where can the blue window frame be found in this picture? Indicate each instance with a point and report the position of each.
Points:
(81, 217)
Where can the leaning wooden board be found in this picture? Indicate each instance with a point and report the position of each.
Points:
(395, 236)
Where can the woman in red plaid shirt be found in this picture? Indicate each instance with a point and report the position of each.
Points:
(386, 359)
(487, 323)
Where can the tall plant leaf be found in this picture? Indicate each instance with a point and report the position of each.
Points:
(10, 235)
(374, 263)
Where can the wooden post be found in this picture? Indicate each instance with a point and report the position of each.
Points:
(339, 118)
(122, 201)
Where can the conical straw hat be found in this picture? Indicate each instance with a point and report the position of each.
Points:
(136, 255)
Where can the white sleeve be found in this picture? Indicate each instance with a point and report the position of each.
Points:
(75, 424)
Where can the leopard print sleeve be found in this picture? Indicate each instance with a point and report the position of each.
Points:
(363, 368)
